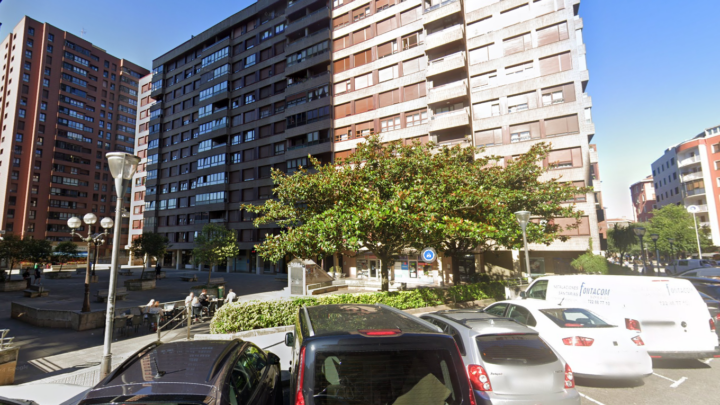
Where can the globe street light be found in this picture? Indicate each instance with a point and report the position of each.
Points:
(640, 232)
(523, 217)
(672, 253)
(96, 239)
(122, 168)
(655, 238)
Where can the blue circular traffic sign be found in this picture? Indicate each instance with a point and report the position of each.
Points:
(429, 255)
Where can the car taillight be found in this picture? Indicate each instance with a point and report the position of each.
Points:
(569, 379)
(578, 341)
(299, 399)
(380, 332)
(631, 324)
(712, 325)
(479, 378)
(638, 341)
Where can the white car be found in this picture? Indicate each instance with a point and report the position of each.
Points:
(595, 348)
(687, 264)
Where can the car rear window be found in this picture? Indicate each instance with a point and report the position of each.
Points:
(399, 377)
(575, 318)
(521, 350)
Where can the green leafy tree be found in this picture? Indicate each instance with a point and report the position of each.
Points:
(622, 240)
(391, 198)
(214, 245)
(149, 244)
(589, 262)
(37, 250)
(66, 251)
(673, 221)
(12, 249)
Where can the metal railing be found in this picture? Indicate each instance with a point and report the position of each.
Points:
(187, 312)
(311, 14)
(5, 342)
(437, 6)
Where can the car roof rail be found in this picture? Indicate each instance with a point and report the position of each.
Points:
(464, 321)
(412, 318)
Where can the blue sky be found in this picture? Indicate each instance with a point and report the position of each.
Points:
(654, 76)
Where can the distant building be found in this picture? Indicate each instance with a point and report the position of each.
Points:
(137, 199)
(689, 174)
(642, 195)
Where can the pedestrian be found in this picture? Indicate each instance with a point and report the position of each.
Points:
(38, 275)
(231, 296)
(189, 298)
(158, 269)
(26, 277)
(196, 308)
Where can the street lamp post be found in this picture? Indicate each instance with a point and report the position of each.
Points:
(693, 209)
(672, 253)
(122, 168)
(523, 217)
(640, 232)
(655, 238)
(92, 239)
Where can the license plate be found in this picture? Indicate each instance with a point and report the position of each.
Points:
(531, 383)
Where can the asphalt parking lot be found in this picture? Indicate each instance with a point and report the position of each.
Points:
(686, 382)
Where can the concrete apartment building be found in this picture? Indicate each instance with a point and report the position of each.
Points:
(137, 198)
(249, 94)
(499, 74)
(64, 103)
(689, 174)
(642, 196)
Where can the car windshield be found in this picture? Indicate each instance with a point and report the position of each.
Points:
(575, 318)
(398, 377)
(522, 350)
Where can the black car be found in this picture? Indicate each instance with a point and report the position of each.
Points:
(212, 372)
(373, 354)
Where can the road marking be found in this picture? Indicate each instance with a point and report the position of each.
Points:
(590, 399)
(674, 384)
(707, 361)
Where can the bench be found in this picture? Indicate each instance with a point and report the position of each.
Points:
(216, 281)
(36, 293)
(56, 275)
(120, 294)
(150, 274)
(188, 277)
(126, 272)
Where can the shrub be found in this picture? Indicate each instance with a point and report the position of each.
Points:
(248, 315)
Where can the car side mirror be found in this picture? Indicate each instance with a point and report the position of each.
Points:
(523, 295)
(289, 339)
(273, 358)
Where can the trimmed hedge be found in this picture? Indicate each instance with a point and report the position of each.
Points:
(248, 315)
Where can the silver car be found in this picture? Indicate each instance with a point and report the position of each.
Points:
(508, 363)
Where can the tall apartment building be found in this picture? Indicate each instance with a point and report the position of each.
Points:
(689, 174)
(137, 198)
(245, 96)
(64, 103)
(503, 75)
(642, 196)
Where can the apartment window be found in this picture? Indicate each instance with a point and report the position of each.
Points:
(387, 49)
(416, 118)
(565, 158)
(342, 110)
(364, 104)
(482, 54)
(414, 65)
(388, 124)
(342, 87)
(362, 35)
(364, 129)
(558, 94)
(341, 65)
(517, 44)
(522, 102)
(518, 70)
(388, 73)
(555, 64)
(387, 25)
(389, 98)
(414, 91)
(341, 43)
(524, 132)
(489, 137)
(343, 20)
(553, 33)
(562, 125)
(581, 228)
(362, 58)
(410, 41)
(363, 81)
(411, 15)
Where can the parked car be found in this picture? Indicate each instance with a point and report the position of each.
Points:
(508, 363)
(705, 272)
(373, 354)
(209, 372)
(673, 319)
(594, 347)
(682, 265)
(709, 286)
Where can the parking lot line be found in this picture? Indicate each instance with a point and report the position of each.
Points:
(674, 384)
(707, 361)
(662, 376)
(590, 399)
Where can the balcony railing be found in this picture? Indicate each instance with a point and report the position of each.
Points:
(689, 161)
(692, 176)
(308, 144)
(697, 191)
(437, 6)
(309, 15)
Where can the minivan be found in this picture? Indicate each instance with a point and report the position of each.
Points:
(351, 354)
(687, 264)
(669, 312)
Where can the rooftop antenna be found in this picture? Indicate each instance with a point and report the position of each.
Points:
(82, 33)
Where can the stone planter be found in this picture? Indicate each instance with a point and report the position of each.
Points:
(140, 285)
(13, 285)
(8, 363)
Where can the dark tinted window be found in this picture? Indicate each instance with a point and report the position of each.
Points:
(450, 331)
(574, 318)
(256, 361)
(497, 310)
(349, 318)
(521, 315)
(709, 289)
(538, 290)
(243, 382)
(522, 350)
(410, 377)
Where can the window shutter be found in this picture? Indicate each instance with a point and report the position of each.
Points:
(342, 110)
(565, 61)
(237, 120)
(250, 79)
(563, 29)
(411, 66)
(364, 126)
(265, 73)
(250, 116)
(341, 65)
(280, 67)
(386, 25)
(265, 54)
(265, 151)
(342, 155)
(549, 35)
(514, 45)
(279, 47)
(409, 16)
(342, 134)
(280, 127)
(341, 43)
(385, 49)
(341, 21)
(549, 65)
(421, 89)
(265, 131)
(411, 92)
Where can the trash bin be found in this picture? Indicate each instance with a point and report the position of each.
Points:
(221, 291)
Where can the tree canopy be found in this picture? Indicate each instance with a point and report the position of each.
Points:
(12, 249)
(622, 240)
(213, 245)
(673, 221)
(149, 244)
(393, 198)
(65, 251)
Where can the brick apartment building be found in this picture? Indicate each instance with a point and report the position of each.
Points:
(642, 196)
(64, 103)
(247, 95)
(689, 174)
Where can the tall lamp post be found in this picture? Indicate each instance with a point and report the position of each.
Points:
(672, 253)
(655, 238)
(640, 232)
(523, 217)
(693, 209)
(92, 239)
(122, 168)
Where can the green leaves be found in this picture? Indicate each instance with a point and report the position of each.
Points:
(151, 244)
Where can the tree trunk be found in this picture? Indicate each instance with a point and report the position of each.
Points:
(384, 273)
(61, 265)
(456, 269)
(12, 264)
(209, 273)
(145, 260)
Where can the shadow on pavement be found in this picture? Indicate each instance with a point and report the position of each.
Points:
(679, 364)
(609, 383)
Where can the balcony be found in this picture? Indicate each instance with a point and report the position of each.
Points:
(691, 176)
(596, 184)
(442, 10)
(444, 37)
(694, 192)
(447, 92)
(446, 64)
(701, 207)
(689, 161)
(452, 119)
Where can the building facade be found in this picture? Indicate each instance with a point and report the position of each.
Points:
(137, 198)
(642, 195)
(64, 104)
(248, 95)
(689, 174)
(503, 75)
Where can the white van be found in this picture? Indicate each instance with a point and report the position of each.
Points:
(687, 264)
(672, 318)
